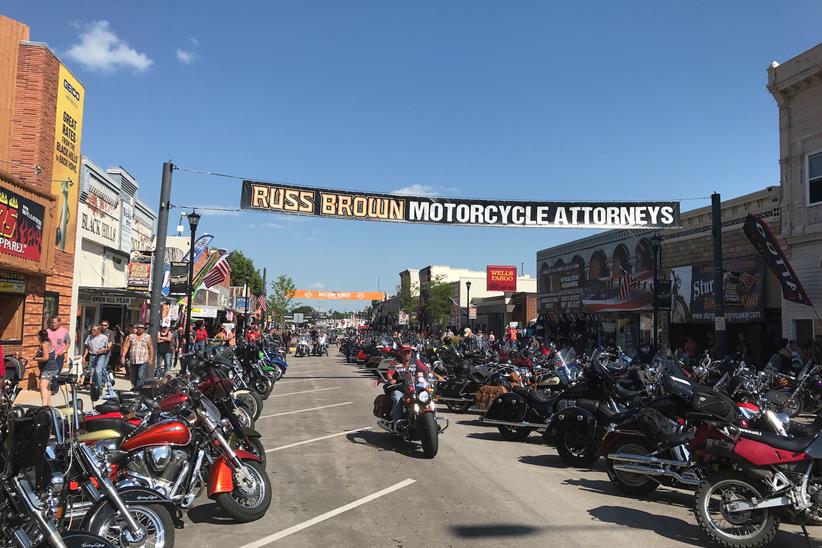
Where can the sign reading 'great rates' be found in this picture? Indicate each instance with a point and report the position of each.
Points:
(436, 210)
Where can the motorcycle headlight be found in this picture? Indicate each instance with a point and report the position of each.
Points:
(424, 397)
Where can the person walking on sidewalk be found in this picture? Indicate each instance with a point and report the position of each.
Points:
(47, 362)
(97, 347)
(140, 352)
(164, 350)
(200, 338)
(60, 340)
(109, 334)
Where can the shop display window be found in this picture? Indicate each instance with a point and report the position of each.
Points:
(12, 308)
(815, 179)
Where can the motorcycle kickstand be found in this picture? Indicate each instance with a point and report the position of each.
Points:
(807, 537)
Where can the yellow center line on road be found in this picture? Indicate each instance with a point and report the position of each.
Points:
(322, 517)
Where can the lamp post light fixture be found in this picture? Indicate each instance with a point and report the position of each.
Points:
(468, 304)
(193, 221)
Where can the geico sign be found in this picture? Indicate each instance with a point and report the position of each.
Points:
(68, 87)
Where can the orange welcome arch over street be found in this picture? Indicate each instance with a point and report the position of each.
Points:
(339, 295)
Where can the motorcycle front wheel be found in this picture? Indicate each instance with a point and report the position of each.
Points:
(248, 501)
(251, 402)
(746, 529)
(429, 435)
(154, 519)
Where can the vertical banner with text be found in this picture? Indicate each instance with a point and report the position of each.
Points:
(65, 180)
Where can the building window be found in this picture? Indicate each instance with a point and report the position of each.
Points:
(51, 306)
(815, 178)
(12, 308)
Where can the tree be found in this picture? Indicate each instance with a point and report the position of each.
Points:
(437, 302)
(282, 292)
(244, 272)
(303, 309)
(409, 300)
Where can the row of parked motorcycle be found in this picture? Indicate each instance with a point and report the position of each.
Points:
(723, 429)
(126, 472)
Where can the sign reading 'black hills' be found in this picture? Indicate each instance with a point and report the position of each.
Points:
(343, 204)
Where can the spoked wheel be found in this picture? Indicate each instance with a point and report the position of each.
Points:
(627, 482)
(251, 496)
(252, 445)
(243, 416)
(749, 528)
(263, 386)
(154, 520)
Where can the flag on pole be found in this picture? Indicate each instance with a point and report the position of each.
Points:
(262, 303)
(221, 272)
(624, 286)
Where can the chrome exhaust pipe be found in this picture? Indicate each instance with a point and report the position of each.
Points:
(646, 459)
(523, 424)
(685, 479)
(459, 400)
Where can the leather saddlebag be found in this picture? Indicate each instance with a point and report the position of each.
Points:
(486, 394)
(382, 407)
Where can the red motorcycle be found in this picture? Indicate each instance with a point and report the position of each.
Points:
(185, 453)
(753, 477)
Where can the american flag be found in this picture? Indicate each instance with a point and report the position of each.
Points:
(262, 303)
(221, 272)
(624, 286)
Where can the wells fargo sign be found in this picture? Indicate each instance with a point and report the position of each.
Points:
(501, 278)
(339, 295)
(434, 210)
(21, 226)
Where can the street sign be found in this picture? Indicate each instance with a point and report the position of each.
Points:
(298, 317)
(402, 318)
(241, 303)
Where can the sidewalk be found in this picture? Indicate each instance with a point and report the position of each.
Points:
(32, 397)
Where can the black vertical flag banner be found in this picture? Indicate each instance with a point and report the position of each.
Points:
(763, 239)
(368, 206)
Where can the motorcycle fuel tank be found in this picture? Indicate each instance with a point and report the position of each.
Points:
(172, 401)
(164, 433)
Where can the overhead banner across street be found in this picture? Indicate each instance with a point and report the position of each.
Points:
(343, 204)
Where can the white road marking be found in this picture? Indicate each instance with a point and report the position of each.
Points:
(303, 410)
(303, 392)
(290, 445)
(322, 517)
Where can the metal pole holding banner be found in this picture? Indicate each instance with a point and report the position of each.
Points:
(158, 270)
(245, 319)
(193, 219)
(719, 295)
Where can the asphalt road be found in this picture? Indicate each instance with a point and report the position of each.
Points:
(337, 484)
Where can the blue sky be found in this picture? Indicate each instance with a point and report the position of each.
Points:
(631, 100)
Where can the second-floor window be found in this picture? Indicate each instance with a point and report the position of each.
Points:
(815, 179)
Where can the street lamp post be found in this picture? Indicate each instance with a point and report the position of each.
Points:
(193, 220)
(655, 247)
(468, 304)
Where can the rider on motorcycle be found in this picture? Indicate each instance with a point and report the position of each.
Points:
(395, 376)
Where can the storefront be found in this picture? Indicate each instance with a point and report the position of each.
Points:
(119, 307)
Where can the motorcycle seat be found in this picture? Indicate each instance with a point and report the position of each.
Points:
(676, 438)
(796, 445)
(108, 406)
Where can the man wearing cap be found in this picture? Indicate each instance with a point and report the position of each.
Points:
(396, 376)
(140, 351)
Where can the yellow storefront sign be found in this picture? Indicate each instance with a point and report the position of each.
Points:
(66, 169)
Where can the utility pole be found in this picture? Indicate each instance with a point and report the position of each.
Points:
(264, 313)
(719, 294)
(158, 270)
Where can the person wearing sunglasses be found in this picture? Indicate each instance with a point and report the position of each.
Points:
(139, 349)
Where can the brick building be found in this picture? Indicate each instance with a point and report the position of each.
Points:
(603, 285)
(41, 107)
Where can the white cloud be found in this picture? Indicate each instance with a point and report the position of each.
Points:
(317, 285)
(99, 48)
(185, 56)
(194, 41)
(417, 190)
